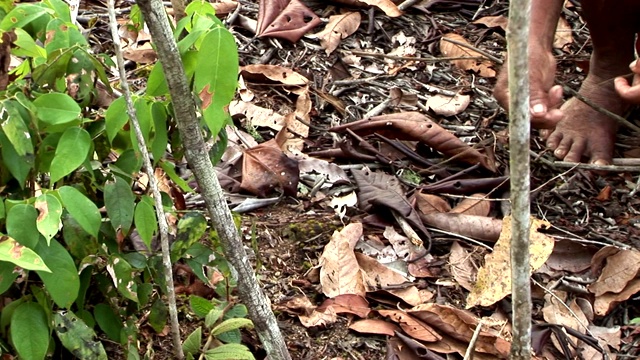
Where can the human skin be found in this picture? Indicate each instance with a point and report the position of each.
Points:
(576, 130)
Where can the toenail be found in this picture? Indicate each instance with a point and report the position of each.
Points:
(600, 162)
(633, 64)
(537, 109)
(559, 153)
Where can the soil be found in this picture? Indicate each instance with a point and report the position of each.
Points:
(292, 234)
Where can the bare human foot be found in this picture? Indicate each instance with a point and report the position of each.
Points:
(583, 132)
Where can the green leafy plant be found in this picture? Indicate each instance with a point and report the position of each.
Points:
(223, 323)
(57, 173)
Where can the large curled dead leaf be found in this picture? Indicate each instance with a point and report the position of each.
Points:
(259, 73)
(387, 6)
(473, 226)
(483, 67)
(460, 325)
(418, 127)
(265, 168)
(338, 28)
(448, 105)
(494, 278)
(377, 189)
(285, 19)
(339, 269)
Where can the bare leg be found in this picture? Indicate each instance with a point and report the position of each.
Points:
(582, 131)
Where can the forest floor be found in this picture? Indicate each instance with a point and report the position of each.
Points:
(593, 216)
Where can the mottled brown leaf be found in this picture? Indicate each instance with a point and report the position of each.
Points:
(266, 168)
(285, 19)
(418, 127)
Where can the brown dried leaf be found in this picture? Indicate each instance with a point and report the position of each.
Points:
(606, 302)
(265, 168)
(477, 227)
(462, 267)
(257, 115)
(418, 127)
(374, 326)
(339, 269)
(494, 278)
(378, 189)
(412, 326)
(338, 28)
(292, 136)
(279, 74)
(475, 204)
(430, 204)
(449, 49)
(460, 325)
(376, 275)
(555, 312)
(563, 36)
(494, 21)
(144, 54)
(448, 105)
(619, 270)
(285, 19)
(349, 304)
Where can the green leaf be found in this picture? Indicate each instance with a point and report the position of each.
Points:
(15, 128)
(57, 36)
(200, 306)
(230, 337)
(213, 316)
(160, 138)
(145, 220)
(158, 316)
(120, 202)
(7, 275)
(22, 15)
(129, 162)
(50, 211)
(191, 344)
(53, 70)
(231, 324)
(216, 76)
(56, 108)
(116, 117)
(157, 84)
(47, 151)
(30, 331)
(83, 210)
(143, 113)
(19, 166)
(63, 283)
(61, 9)
(108, 321)
(191, 228)
(229, 351)
(170, 169)
(26, 46)
(21, 225)
(13, 252)
(122, 277)
(79, 242)
(7, 313)
(72, 151)
(77, 337)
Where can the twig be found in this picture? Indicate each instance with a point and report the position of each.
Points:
(153, 184)
(411, 58)
(611, 168)
(407, 4)
(468, 355)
